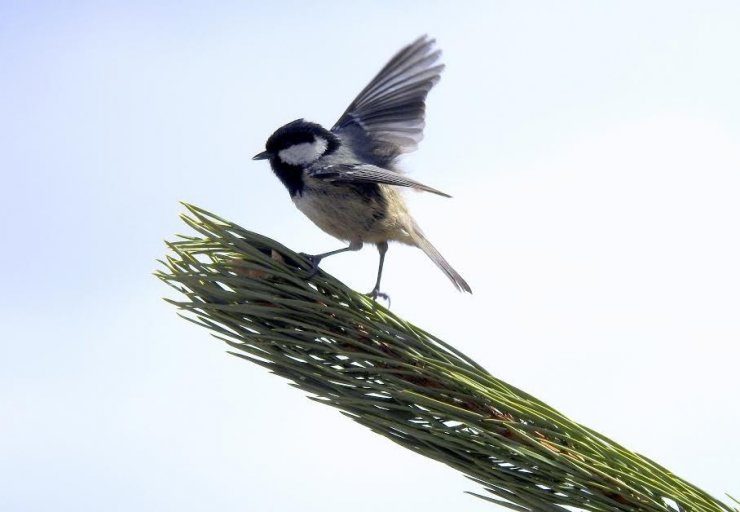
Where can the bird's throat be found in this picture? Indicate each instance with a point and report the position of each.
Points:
(291, 176)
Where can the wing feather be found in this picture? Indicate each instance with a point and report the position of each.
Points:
(366, 173)
(387, 118)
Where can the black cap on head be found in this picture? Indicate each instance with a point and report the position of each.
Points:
(297, 132)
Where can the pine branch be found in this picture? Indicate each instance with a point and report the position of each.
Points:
(403, 383)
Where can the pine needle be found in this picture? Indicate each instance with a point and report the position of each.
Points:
(401, 382)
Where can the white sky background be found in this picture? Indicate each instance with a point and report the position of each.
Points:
(593, 153)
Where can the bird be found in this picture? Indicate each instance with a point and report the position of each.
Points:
(346, 179)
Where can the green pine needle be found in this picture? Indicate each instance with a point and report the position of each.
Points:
(350, 352)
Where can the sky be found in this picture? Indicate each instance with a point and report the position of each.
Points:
(593, 152)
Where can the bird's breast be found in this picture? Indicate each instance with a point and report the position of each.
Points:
(351, 212)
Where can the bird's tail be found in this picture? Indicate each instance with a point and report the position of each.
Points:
(425, 245)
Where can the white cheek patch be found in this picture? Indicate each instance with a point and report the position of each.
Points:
(304, 153)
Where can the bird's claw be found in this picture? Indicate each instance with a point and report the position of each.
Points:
(314, 260)
(375, 294)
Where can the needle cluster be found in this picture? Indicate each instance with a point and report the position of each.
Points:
(349, 352)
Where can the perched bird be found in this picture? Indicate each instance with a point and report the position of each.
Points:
(346, 180)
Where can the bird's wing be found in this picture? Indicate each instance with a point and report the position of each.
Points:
(366, 173)
(387, 117)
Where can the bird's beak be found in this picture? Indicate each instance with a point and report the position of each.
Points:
(261, 156)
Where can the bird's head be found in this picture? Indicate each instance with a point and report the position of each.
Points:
(298, 144)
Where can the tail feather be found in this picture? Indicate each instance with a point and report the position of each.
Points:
(426, 246)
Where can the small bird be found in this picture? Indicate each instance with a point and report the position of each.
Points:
(346, 179)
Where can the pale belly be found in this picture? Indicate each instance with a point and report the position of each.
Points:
(348, 214)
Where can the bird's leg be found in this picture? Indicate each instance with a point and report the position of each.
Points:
(382, 248)
(315, 259)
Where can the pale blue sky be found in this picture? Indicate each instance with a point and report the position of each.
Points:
(593, 152)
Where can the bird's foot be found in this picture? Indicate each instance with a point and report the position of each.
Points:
(314, 259)
(376, 294)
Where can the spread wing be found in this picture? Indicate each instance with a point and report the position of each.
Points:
(387, 117)
(366, 173)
